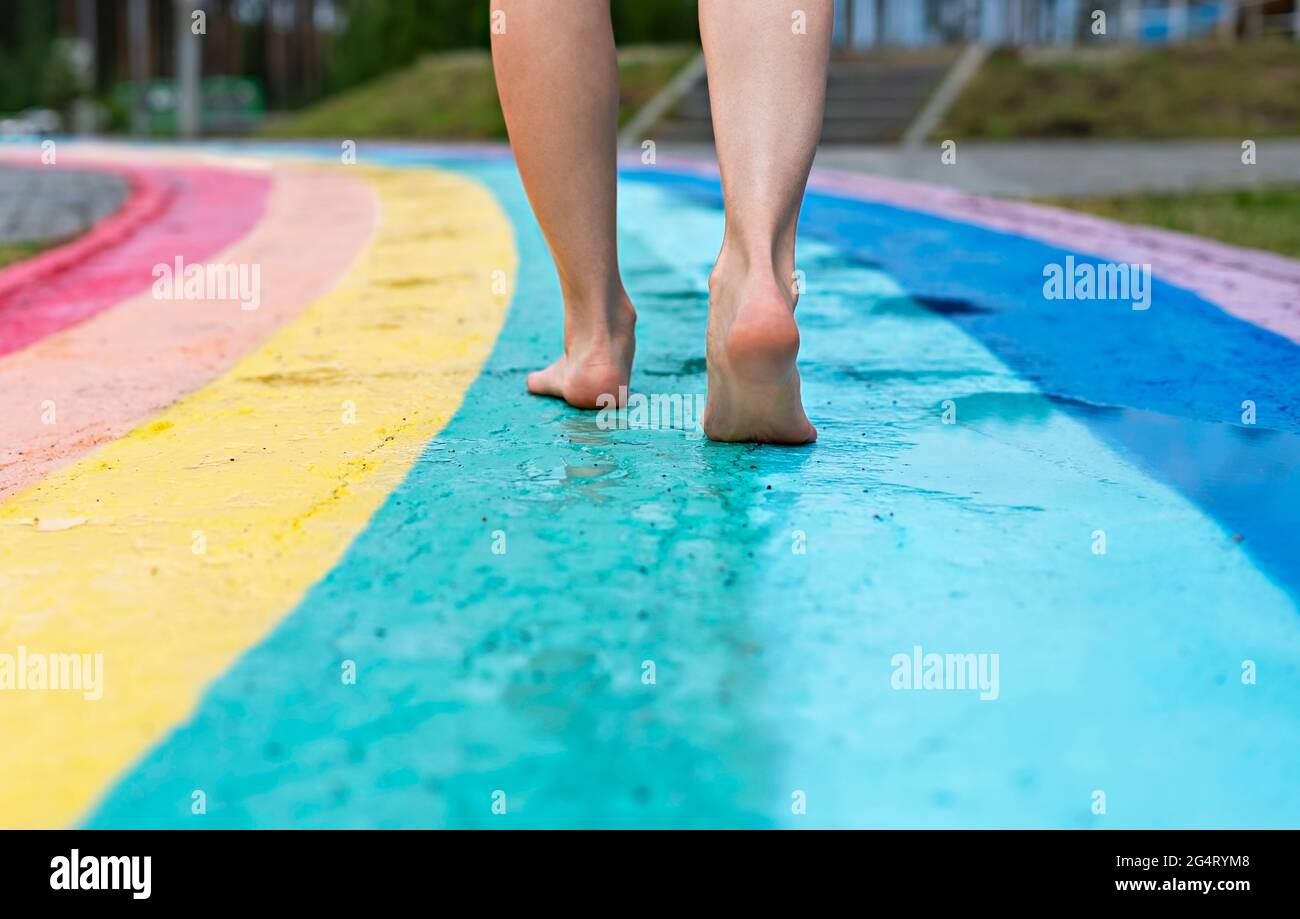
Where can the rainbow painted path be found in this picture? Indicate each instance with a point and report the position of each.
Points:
(241, 508)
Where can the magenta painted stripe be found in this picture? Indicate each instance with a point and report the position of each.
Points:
(145, 200)
(188, 212)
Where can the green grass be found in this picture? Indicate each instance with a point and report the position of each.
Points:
(1258, 219)
(1241, 91)
(453, 97)
(16, 252)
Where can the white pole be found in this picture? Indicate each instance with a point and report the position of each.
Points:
(188, 70)
(870, 24)
(1129, 20)
(88, 26)
(987, 29)
(1067, 21)
(138, 30)
(915, 24)
(1228, 24)
(1177, 20)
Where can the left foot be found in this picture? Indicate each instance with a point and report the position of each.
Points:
(596, 363)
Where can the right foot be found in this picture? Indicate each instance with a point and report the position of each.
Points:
(596, 363)
(753, 342)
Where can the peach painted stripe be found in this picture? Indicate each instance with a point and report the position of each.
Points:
(101, 378)
(175, 549)
(172, 211)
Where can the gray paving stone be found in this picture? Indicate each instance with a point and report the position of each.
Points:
(45, 204)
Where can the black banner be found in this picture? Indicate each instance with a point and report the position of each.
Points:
(218, 868)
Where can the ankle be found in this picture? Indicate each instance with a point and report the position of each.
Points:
(769, 265)
(596, 326)
(741, 276)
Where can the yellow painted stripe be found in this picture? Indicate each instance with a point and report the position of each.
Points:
(99, 558)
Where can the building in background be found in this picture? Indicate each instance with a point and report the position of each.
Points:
(865, 24)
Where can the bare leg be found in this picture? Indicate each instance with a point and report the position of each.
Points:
(557, 75)
(767, 82)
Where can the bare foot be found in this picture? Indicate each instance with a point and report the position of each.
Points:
(596, 362)
(752, 346)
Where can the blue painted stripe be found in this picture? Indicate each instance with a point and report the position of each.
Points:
(1165, 385)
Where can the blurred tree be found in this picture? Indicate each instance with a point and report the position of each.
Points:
(382, 35)
(67, 75)
(27, 29)
(650, 21)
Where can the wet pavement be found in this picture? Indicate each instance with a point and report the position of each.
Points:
(555, 622)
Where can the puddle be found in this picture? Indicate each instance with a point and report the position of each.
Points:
(1246, 477)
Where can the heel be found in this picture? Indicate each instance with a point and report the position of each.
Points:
(762, 351)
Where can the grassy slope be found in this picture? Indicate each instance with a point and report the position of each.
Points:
(16, 252)
(1203, 90)
(453, 96)
(1258, 219)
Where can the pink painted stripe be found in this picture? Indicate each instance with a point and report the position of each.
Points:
(93, 382)
(190, 212)
(1259, 287)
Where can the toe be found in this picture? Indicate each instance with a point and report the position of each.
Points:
(546, 382)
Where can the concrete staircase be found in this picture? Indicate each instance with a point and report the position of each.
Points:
(870, 99)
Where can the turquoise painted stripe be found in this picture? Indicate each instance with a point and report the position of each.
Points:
(523, 672)
(1167, 385)
(1120, 673)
